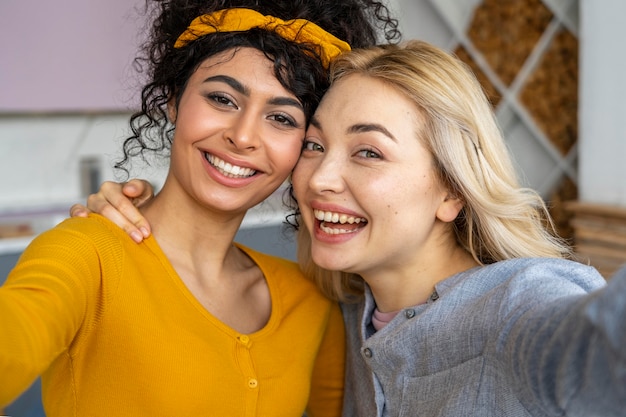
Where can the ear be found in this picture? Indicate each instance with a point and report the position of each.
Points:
(172, 111)
(449, 208)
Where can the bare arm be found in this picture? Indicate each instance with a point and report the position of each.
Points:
(119, 203)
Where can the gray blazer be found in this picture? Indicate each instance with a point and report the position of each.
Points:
(524, 337)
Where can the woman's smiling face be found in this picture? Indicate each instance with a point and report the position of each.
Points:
(366, 185)
(238, 132)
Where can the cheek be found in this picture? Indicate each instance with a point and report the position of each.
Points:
(297, 183)
(286, 153)
(294, 156)
(179, 147)
(404, 199)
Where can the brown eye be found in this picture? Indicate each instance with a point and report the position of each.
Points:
(283, 119)
(221, 100)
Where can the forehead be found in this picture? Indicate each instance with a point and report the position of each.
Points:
(358, 98)
(247, 67)
(239, 58)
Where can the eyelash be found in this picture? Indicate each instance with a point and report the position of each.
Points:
(281, 118)
(286, 120)
(308, 145)
(370, 153)
(221, 99)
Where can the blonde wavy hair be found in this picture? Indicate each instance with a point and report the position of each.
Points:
(500, 219)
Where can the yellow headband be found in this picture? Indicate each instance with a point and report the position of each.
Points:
(240, 20)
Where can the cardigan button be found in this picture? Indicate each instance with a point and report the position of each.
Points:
(367, 352)
(409, 314)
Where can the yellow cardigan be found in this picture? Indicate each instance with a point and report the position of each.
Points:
(115, 332)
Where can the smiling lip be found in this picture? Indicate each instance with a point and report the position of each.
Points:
(227, 169)
(335, 224)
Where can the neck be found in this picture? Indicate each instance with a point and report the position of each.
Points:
(184, 228)
(413, 284)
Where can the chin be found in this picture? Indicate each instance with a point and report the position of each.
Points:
(332, 262)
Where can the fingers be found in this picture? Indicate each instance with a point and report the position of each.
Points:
(139, 191)
(78, 210)
(112, 202)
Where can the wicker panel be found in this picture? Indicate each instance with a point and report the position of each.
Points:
(551, 93)
(506, 31)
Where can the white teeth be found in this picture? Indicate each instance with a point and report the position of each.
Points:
(229, 170)
(330, 217)
(333, 231)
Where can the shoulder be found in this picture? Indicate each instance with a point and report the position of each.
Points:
(78, 250)
(550, 271)
(78, 236)
(540, 278)
(89, 227)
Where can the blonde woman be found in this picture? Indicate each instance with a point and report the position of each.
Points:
(457, 300)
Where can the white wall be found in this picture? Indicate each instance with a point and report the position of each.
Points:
(421, 21)
(40, 156)
(602, 142)
(67, 55)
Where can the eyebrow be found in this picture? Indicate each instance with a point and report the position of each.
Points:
(240, 88)
(359, 128)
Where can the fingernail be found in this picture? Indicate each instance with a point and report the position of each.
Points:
(145, 232)
(136, 236)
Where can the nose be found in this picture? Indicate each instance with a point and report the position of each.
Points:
(326, 176)
(244, 131)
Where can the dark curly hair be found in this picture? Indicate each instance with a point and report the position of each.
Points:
(297, 67)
